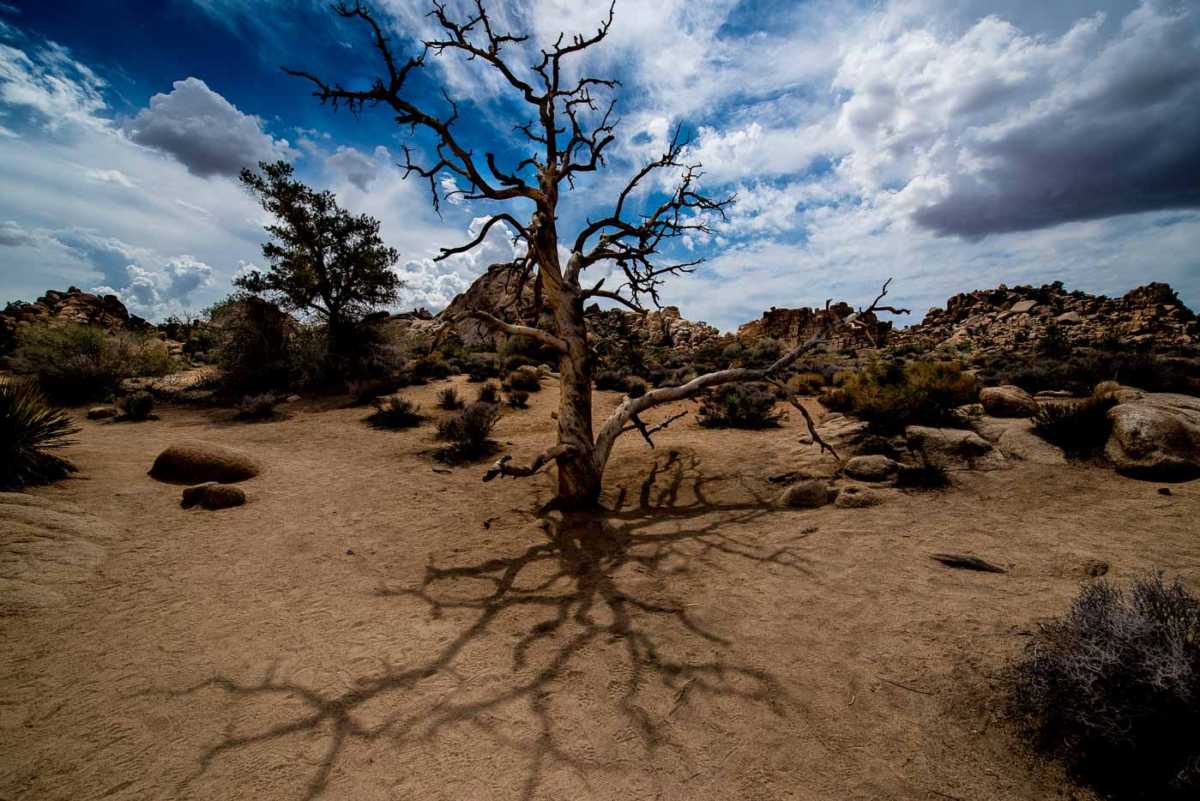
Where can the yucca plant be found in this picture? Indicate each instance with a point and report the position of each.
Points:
(29, 428)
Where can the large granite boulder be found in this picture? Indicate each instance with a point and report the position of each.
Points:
(1008, 401)
(200, 462)
(953, 448)
(1154, 435)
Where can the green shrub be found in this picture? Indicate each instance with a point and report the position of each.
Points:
(1113, 689)
(739, 406)
(517, 399)
(393, 412)
(137, 406)
(481, 367)
(609, 381)
(488, 393)
(809, 383)
(891, 396)
(430, 368)
(525, 379)
(29, 429)
(448, 399)
(82, 362)
(468, 433)
(1080, 428)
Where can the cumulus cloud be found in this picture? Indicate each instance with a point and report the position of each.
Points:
(433, 284)
(108, 177)
(999, 130)
(358, 168)
(204, 131)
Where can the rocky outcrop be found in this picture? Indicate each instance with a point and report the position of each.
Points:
(72, 306)
(953, 449)
(1007, 401)
(1041, 319)
(661, 328)
(793, 326)
(499, 291)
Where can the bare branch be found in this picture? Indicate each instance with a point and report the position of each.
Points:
(545, 337)
(483, 232)
(504, 467)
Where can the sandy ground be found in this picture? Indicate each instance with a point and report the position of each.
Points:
(372, 626)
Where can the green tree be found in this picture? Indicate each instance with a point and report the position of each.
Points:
(323, 259)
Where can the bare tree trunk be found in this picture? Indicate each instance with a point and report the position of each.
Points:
(578, 471)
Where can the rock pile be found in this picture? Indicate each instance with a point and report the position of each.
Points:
(793, 326)
(1032, 319)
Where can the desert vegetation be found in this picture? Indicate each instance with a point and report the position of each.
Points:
(31, 430)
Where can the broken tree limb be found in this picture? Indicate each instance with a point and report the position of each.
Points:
(504, 467)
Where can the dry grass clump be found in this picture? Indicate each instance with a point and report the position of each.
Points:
(739, 406)
(394, 412)
(468, 433)
(255, 408)
(1113, 689)
(30, 428)
(448, 399)
(137, 406)
(488, 393)
(517, 399)
(1081, 428)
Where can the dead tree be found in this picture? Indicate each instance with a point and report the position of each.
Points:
(569, 134)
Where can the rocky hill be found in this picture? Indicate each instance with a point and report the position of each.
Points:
(72, 306)
(1150, 318)
(793, 326)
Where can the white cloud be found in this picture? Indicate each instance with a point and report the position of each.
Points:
(108, 177)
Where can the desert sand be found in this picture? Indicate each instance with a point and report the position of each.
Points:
(375, 625)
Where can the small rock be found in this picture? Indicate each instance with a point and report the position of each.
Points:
(1069, 318)
(349, 552)
(807, 495)
(213, 496)
(871, 468)
(1095, 568)
(1008, 401)
(102, 412)
(858, 498)
(1023, 307)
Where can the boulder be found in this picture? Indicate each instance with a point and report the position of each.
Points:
(858, 498)
(871, 468)
(1155, 435)
(807, 495)
(1008, 401)
(1022, 444)
(198, 462)
(102, 412)
(953, 449)
(212, 496)
(1023, 307)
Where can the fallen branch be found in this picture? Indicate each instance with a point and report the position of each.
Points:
(503, 466)
(966, 562)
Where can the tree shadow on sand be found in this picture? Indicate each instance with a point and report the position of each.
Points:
(579, 577)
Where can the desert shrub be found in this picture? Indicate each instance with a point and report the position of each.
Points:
(430, 368)
(468, 433)
(488, 393)
(738, 406)
(258, 407)
(609, 381)
(1113, 689)
(448, 399)
(481, 367)
(525, 379)
(636, 387)
(1080, 428)
(808, 383)
(137, 406)
(393, 412)
(891, 395)
(30, 429)
(254, 339)
(82, 362)
(518, 352)
(925, 475)
(517, 399)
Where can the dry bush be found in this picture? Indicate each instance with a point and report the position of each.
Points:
(468, 433)
(891, 396)
(636, 387)
(609, 381)
(517, 399)
(395, 412)
(258, 407)
(739, 406)
(809, 383)
(137, 406)
(1081, 428)
(525, 379)
(448, 399)
(1113, 689)
(30, 428)
(488, 393)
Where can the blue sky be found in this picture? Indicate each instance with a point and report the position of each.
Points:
(952, 144)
